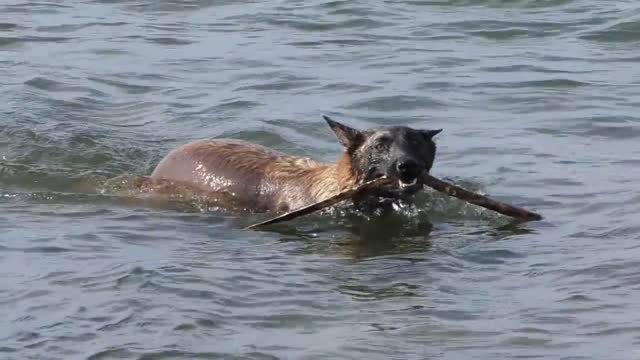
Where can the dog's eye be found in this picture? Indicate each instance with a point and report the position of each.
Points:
(381, 145)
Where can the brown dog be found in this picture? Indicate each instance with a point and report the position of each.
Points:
(264, 180)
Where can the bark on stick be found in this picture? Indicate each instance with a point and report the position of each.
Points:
(480, 200)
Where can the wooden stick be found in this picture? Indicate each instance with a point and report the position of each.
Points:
(428, 180)
(478, 199)
(324, 203)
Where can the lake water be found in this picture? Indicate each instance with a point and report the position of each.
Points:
(539, 105)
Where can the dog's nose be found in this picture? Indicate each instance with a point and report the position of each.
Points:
(408, 168)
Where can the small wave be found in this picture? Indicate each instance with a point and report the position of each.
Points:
(13, 40)
(519, 68)
(493, 257)
(24, 295)
(278, 85)
(53, 88)
(615, 127)
(178, 354)
(32, 7)
(506, 30)
(69, 28)
(339, 42)
(308, 25)
(36, 249)
(8, 26)
(615, 331)
(168, 41)
(491, 3)
(127, 87)
(112, 353)
(558, 83)
(397, 103)
(620, 32)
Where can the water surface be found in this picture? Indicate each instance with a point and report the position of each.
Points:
(538, 101)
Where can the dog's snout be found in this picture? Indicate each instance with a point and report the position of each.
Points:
(408, 168)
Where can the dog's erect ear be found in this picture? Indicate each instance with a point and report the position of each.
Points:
(429, 134)
(347, 136)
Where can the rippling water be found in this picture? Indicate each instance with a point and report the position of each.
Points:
(539, 105)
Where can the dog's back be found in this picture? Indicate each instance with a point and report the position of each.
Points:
(260, 177)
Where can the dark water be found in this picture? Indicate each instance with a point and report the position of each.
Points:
(539, 105)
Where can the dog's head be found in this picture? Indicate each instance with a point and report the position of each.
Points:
(398, 152)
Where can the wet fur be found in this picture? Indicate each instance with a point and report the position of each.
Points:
(265, 180)
(261, 179)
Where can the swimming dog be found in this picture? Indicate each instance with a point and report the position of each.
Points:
(266, 180)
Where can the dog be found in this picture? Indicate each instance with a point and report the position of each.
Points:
(265, 180)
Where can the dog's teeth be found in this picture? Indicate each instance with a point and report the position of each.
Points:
(404, 185)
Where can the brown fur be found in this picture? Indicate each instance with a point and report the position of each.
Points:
(261, 178)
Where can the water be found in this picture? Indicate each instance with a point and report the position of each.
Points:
(538, 101)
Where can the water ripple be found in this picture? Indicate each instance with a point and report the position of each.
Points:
(620, 31)
(23, 40)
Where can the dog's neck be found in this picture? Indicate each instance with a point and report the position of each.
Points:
(346, 177)
(302, 181)
(329, 179)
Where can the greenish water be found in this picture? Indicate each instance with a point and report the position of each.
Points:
(539, 105)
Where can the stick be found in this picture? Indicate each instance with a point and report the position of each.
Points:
(478, 199)
(324, 203)
(428, 180)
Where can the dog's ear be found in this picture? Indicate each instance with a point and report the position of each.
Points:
(347, 136)
(429, 134)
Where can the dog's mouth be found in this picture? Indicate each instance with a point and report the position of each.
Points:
(408, 184)
(399, 187)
